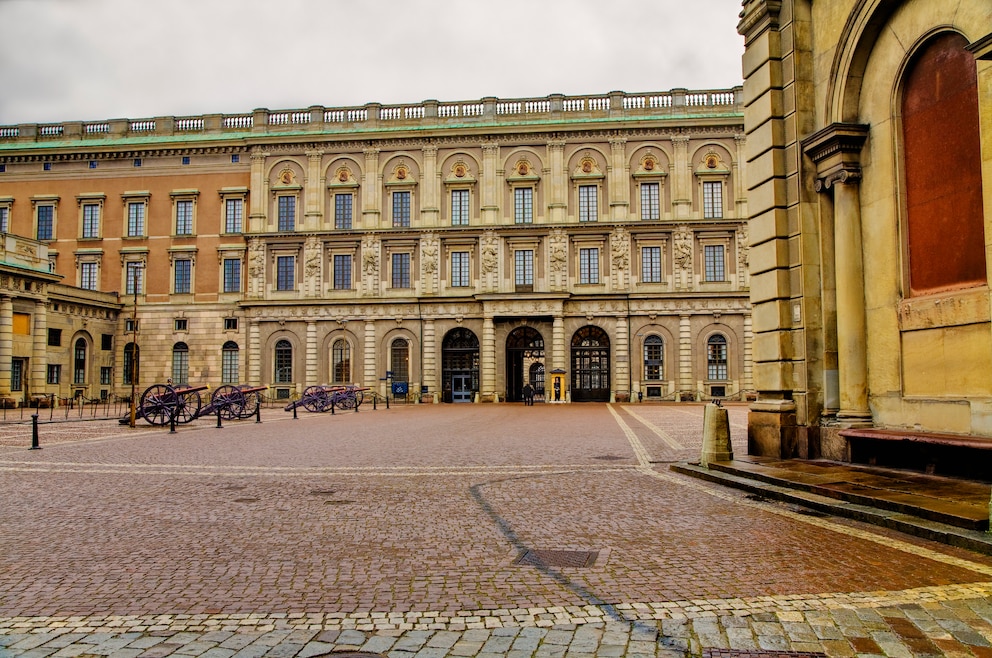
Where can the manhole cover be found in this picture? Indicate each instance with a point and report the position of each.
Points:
(741, 653)
(550, 558)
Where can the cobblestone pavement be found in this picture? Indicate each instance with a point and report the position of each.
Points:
(428, 531)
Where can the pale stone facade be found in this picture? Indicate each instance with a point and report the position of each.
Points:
(845, 333)
(465, 248)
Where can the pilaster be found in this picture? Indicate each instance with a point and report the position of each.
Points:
(312, 377)
(39, 351)
(556, 182)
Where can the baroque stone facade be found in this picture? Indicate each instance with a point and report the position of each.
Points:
(869, 181)
(453, 250)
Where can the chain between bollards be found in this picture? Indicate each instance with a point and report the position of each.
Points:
(34, 432)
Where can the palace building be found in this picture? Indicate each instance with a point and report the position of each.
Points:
(447, 251)
(869, 182)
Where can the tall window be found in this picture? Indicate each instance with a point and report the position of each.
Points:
(229, 363)
(233, 215)
(523, 267)
(650, 264)
(654, 354)
(284, 362)
(232, 275)
(79, 362)
(135, 219)
(4, 219)
(401, 270)
(588, 203)
(180, 364)
(716, 357)
(399, 360)
(650, 201)
(54, 374)
(181, 277)
(712, 199)
(589, 265)
(88, 275)
(342, 271)
(523, 205)
(341, 359)
(342, 210)
(129, 363)
(714, 262)
(46, 222)
(135, 282)
(459, 207)
(401, 209)
(286, 273)
(184, 217)
(91, 220)
(287, 213)
(459, 269)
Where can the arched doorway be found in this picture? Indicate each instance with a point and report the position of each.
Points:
(524, 362)
(590, 365)
(459, 365)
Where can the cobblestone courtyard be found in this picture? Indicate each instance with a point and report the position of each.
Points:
(401, 532)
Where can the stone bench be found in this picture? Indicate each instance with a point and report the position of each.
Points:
(930, 452)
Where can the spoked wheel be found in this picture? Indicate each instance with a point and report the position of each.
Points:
(315, 399)
(253, 401)
(158, 403)
(345, 400)
(359, 398)
(229, 402)
(189, 406)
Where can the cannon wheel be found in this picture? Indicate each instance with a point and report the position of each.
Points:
(234, 402)
(158, 403)
(315, 399)
(189, 405)
(253, 401)
(345, 400)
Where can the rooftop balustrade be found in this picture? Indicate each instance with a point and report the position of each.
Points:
(375, 116)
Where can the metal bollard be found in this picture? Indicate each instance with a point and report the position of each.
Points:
(218, 419)
(258, 413)
(387, 401)
(332, 407)
(172, 423)
(34, 432)
(373, 401)
(294, 412)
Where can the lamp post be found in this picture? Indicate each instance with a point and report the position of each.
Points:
(134, 277)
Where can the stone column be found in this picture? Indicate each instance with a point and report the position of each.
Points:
(6, 342)
(430, 375)
(371, 189)
(39, 352)
(488, 374)
(618, 174)
(312, 358)
(685, 354)
(558, 352)
(430, 189)
(315, 191)
(621, 370)
(556, 186)
(747, 382)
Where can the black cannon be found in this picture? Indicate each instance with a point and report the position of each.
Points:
(324, 398)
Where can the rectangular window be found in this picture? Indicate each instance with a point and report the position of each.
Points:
(46, 222)
(459, 207)
(286, 273)
(55, 337)
(54, 374)
(588, 203)
(523, 205)
(713, 257)
(650, 201)
(460, 276)
(233, 215)
(229, 366)
(130, 326)
(653, 363)
(712, 199)
(4, 220)
(180, 324)
(135, 219)
(91, 220)
(180, 366)
(342, 271)
(589, 265)
(523, 267)
(650, 264)
(88, 276)
(401, 270)
(183, 273)
(287, 213)
(106, 342)
(230, 324)
(401, 209)
(232, 275)
(184, 217)
(135, 278)
(106, 378)
(342, 211)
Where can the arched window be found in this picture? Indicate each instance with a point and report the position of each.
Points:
(945, 222)
(399, 360)
(341, 362)
(716, 358)
(654, 355)
(130, 363)
(284, 362)
(180, 364)
(229, 363)
(79, 362)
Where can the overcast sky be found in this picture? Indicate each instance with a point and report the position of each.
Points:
(68, 60)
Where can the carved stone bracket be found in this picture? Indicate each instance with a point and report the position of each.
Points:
(836, 151)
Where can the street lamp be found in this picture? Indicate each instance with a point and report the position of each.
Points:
(134, 276)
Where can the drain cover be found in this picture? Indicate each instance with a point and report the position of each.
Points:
(550, 558)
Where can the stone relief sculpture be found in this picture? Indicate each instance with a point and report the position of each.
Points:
(312, 249)
(620, 249)
(742, 247)
(490, 252)
(428, 253)
(256, 267)
(682, 256)
(370, 255)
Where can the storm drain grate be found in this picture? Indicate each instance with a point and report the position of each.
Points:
(741, 653)
(548, 558)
